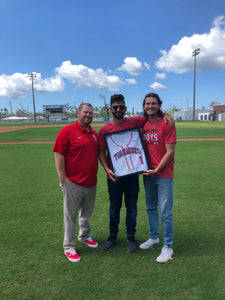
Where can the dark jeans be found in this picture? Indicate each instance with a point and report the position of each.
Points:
(129, 186)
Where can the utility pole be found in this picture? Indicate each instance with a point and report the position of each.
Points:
(32, 77)
(10, 104)
(194, 53)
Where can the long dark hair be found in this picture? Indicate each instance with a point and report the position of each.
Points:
(156, 96)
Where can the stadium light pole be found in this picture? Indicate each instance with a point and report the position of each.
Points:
(32, 77)
(194, 53)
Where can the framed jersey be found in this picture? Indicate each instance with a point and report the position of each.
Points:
(126, 152)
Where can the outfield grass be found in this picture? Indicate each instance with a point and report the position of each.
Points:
(32, 262)
(199, 131)
(38, 134)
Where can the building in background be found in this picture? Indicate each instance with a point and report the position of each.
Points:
(187, 115)
(219, 112)
(16, 119)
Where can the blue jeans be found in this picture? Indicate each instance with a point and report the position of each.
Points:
(129, 186)
(159, 192)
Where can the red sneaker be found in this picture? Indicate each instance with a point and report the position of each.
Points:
(73, 256)
(91, 243)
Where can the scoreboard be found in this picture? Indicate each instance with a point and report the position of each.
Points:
(54, 109)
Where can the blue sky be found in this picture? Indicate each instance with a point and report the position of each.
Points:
(90, 49)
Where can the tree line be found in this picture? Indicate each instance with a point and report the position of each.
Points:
(71, 111)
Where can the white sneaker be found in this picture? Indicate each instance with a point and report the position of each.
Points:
(166, 254)
(149, 243)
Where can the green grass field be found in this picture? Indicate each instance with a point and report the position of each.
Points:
(32, 262)
(40, 133)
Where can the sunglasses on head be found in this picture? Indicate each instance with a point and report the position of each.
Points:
(115, 107)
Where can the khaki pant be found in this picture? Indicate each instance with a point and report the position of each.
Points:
(77, 199)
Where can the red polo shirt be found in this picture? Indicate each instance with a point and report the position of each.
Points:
(80, 149)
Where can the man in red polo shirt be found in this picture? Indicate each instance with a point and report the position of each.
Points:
(76, 159)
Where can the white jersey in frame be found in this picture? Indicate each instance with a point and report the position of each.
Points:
(126, 152)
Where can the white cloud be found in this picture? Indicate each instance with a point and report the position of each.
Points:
(53, 84)
(131, 81)
(147, 66)
(18, 85)
(132, 66)
(157, 86)
(219, 21)
(14, 86)
(212, 55)
(160, 76)
(86, 78)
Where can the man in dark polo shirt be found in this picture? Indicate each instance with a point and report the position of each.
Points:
(76, 159)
